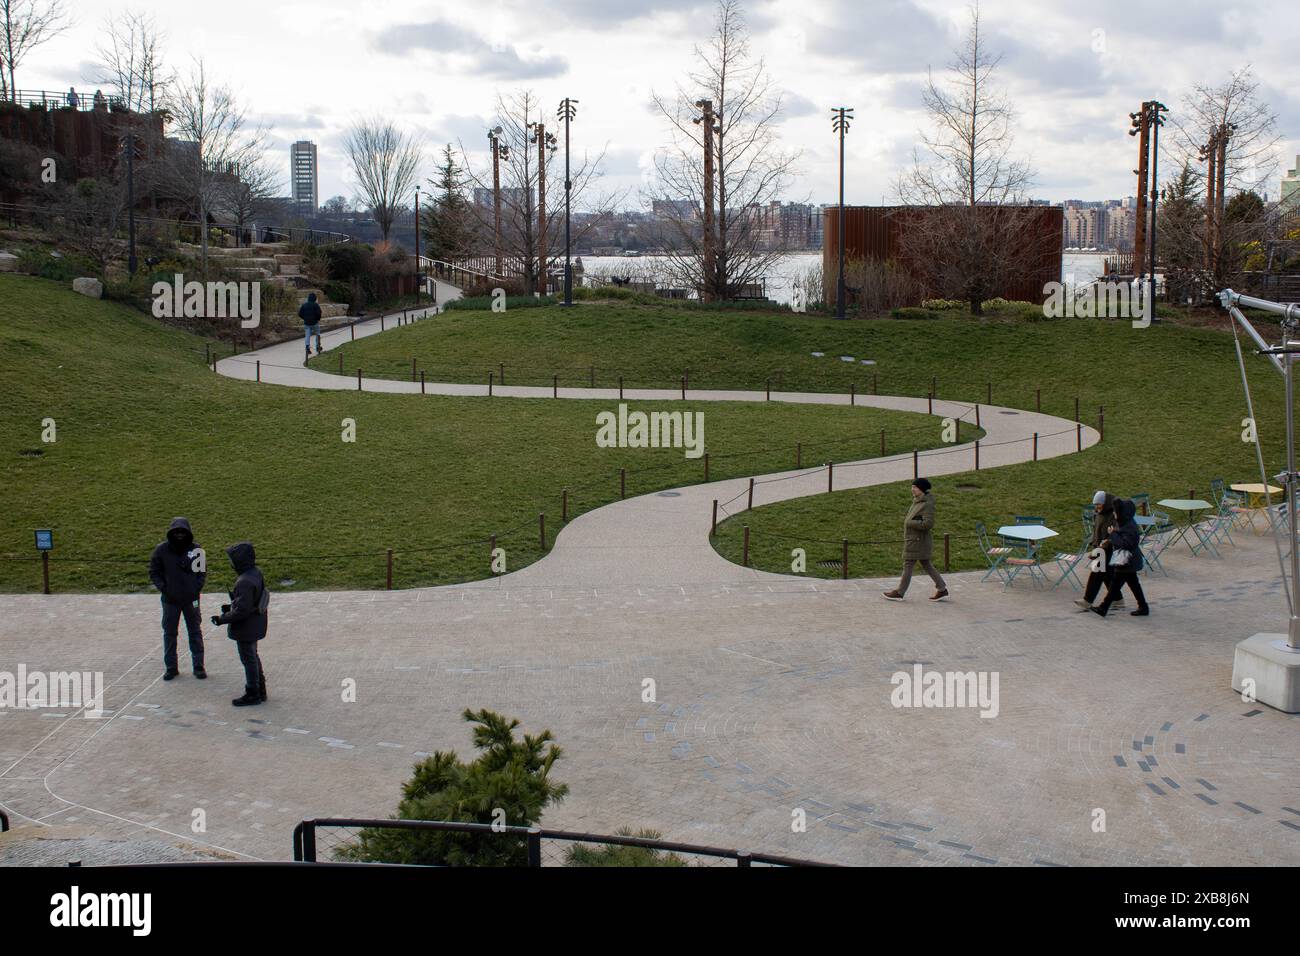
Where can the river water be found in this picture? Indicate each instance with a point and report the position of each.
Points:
(1083, 267)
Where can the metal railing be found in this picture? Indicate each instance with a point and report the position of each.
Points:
(50, 100)
(544, 847)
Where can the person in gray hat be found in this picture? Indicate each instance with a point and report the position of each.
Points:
(918, 543)
(1103, 506)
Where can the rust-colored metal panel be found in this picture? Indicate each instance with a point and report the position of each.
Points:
(875, 233)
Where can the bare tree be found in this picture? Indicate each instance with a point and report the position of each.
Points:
(723, 120)
(25, 25)
(531, 243)
(385, 162)
(251, 187)
(971, 252)
(215, 142)
(130, 60)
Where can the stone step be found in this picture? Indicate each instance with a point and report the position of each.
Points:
(287, 259)
(289, 269)
(331, 310)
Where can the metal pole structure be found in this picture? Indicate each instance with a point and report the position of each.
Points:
(417, 246)
(1157, 120)
(1210, 154)
(500, 151)
(708, 285)
(130, 200)
(566, 112)
(544, 142)
(1140, 129)
(843, 116)
(1283, 359)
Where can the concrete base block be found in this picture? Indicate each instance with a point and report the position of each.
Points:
(1264, 659)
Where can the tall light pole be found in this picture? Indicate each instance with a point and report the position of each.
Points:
(1141, 129)
(500, 151)
(842, 117)
(1156, 122)
(566, 112)
(417, 246)
(708, 121)
(545, 141)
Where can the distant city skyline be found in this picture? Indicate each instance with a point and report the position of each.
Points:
(1073, 73)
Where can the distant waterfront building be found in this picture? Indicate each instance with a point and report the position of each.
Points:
(674, 210)
(512, 197)
(1085, 225)
(1290, 198)
(304, 176)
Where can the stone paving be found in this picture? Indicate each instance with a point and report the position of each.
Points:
(772, 699)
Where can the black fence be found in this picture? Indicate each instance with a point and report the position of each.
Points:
(50, 100)
(536, 846)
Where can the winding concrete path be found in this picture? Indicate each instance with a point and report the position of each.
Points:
(662, 538)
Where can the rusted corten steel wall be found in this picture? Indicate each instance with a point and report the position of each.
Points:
(874, 232)
(89, 141)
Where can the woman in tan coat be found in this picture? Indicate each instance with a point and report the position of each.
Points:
(918, 542)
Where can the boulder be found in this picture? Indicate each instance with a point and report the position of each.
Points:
(91, 287)
(8, 262)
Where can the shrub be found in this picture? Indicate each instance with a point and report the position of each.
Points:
(613, 855)
(941, 305)
(484, 302)
(509, 775)
(913, 312)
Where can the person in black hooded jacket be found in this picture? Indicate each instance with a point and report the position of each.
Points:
(1124, 536)
(246, 620)
(310, 314)
(172, 569)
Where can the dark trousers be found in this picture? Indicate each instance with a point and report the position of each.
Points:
(1120, 579)
(930, 569)
(1098, 581)
(171, 620)
(254, 679)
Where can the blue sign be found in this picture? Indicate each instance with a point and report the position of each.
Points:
(45, 540)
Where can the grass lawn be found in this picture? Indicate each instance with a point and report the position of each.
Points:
(1172, 397)
(145, 432)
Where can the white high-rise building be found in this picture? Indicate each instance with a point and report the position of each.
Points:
(303, 176)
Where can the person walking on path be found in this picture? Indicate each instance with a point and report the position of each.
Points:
(177, 569)
(246, 617)
(918, 542)
(1125, 560)
(310, 313)
(1103, 506)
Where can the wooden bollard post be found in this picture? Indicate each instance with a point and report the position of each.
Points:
(541, 529)
(622, 482)
(45, 572)
(259, 370)
(916, 464)
(564, 506)
(1191, 493)
(1101, 422)
(977, 454)
(555, 386)
(1035, 446)
(501, 369)
(340, 363)
(1076, 408)
(207, 354)
(977, 415)
(853, 393)
(421, 381)
(352, 330)
(768, 389)
(874, 378)
(492, 547)
(214, 361)
(234, 344)
(381, 323)
(620, 388)
(713, 528)
(750, 503)
(412, 368)
(1078, 436)
(844, 559)
(929, 404)
(1038, 399)
(798, 454)
(882, 443)
(491, 375)
(830, 476)
(706, 466)
(683, 388)
(947, 550)
(744, 558)
(934, 386)
(389, 584)
(358, 380)
(593, 376)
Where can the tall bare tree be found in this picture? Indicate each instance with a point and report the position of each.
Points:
(215, 142)
(725, 107)
(250, 188)
(385, 163)
(25, 25)
(974, 251)
(131, 62)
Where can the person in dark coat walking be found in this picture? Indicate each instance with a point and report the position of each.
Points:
(918, 543)
(310, 314)
(178, 571)
(1103, 506)
(246, 617)
(1124, 538)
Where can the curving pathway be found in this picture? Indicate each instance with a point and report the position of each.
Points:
(662, 538)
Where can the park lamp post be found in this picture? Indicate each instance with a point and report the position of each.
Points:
(500, 151)
(1273, 665)
(417, 246)
(843, 116)
(1157, 121)
(566, 112)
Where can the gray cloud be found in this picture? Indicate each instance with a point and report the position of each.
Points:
(885, 36)
(467, 52)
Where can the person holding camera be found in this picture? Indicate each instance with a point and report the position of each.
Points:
(246, 617)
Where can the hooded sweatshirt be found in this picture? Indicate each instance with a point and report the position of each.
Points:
(1126, 534)
(171, 566)
(247, 623)
(309, 311)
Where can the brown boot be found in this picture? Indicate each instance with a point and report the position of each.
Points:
(939, 595)
(892, 595)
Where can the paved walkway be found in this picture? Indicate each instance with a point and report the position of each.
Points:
(772, 699)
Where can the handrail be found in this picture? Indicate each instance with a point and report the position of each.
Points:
(304, 834)
(49, 99)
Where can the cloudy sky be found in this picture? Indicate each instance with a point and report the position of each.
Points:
(1073, 70)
